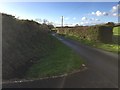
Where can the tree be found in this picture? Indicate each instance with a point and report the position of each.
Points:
(45, 21)
(38, 20)
(110, 23)
(76, 25)
(50, 26)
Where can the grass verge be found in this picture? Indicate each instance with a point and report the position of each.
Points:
(107, 47)
(62, 60)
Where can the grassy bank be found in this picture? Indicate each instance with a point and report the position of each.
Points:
(107, 47)
(62, 60)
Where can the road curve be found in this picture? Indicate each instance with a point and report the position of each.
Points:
(102, 71)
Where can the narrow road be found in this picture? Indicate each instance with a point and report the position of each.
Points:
(101, 72)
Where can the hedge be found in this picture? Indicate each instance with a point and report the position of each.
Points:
(98, 33)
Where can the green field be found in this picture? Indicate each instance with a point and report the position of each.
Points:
(61, 61)
(116, 35)
(116, 31)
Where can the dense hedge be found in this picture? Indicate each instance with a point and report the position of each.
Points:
(98, 33)
(23, 43)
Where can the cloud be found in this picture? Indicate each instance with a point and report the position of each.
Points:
(66, 18)
(97, 19)
(115, 14)
(94, 19)
(89, 21)
(105, 14)
(93, 13)
(81, 23)
(84, 18)
(98, 13)
(74, 18)
(86, 23)
(61, 17)
(114, 9)
(112, 12)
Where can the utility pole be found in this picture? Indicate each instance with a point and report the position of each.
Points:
(62, 22)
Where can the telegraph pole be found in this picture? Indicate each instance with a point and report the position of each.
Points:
(62, 22)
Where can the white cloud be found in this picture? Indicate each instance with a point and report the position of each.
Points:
(90, 21)
(61, 17)
(81, 23)
(118, 5)
(66, 18)
(112, 12)
(97, 19)
(98, 13)
(114, 9)
(84, 23)
(84, 18)
(115, 14)
(93, 13)
(105, 14)
(94, 19)
(74, 18)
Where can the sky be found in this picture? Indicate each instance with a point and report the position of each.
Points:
(81, 13)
